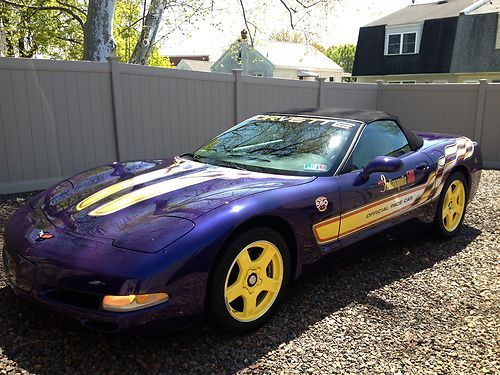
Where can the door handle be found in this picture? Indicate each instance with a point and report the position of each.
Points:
(422, 166)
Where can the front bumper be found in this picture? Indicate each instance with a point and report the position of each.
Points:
(71, 275)
(86, 308)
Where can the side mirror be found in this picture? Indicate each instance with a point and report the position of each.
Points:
(381, 164)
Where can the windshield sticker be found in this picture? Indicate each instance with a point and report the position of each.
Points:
(315, 167)
(310, 120)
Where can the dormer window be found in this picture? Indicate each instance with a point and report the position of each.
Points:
(402, 39)
(402, 44)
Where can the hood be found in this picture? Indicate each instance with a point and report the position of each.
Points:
(121, 199)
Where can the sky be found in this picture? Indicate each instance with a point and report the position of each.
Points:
(338, 24)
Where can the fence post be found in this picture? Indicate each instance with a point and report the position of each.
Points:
(481, 98)
(238, 93)
(116, 98)
(380, 87)
(321, 91)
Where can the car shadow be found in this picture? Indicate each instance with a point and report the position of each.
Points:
(43, 342)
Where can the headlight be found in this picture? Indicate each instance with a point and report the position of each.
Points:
(133, 302)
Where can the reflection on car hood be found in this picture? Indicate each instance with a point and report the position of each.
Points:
(110, 199)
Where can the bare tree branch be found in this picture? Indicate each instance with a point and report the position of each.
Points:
(307, 6)
(130, 26)
(72, 7)
(69, 40)
(246, 22)
(289, 12)
(66, 10)
(175, 27)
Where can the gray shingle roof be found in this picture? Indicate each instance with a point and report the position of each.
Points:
(295, 55)
(421, 12)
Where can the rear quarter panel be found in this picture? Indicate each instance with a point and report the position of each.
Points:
(453, 153)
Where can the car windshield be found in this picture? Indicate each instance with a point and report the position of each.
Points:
(281, 144)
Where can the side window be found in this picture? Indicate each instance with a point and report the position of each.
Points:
(380, 138)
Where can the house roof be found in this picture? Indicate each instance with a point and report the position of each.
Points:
(198, 65)
(295, 55)
(492, 7)
(420, 12)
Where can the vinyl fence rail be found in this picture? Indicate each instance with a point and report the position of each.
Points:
(58, 118)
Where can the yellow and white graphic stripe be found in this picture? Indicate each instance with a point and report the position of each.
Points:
(363, 217)
(197, 173)
(110, 190)
(149, 192)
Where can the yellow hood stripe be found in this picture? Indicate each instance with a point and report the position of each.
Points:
(151, 191)
(110, 190)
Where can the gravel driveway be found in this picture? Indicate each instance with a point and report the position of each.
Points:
(406, 304)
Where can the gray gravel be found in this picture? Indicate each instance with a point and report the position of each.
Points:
(406, 304)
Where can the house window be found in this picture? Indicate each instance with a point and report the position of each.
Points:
(402, 44)
(394, 44)
(496, 81)
(332, 79)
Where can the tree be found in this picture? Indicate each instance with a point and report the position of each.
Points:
(33, 28)
(98, 42)
(286, 36)
(42, 27)
(127, 27)
(342, 55)
(67, 28)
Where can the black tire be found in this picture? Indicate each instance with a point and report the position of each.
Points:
(439, 223)
(218, 308)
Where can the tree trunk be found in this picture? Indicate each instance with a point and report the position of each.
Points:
(98, 42)
(148, 33)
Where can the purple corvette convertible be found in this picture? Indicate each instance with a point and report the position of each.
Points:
(221, 232)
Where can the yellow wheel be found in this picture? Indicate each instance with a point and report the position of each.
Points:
(248, 280)
(453, 205)
(253, 281)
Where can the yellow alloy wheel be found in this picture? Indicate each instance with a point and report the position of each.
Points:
(453, 205)
(253, 281)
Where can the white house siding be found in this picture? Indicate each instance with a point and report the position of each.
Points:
(289, 73)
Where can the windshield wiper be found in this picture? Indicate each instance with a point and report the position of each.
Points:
(230, 164)
(194, 157)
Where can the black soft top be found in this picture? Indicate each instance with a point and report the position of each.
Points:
(363, 115)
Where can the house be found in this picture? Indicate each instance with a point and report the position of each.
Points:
(176, 59)
(278, 60)
(197, 65)
(440, 42)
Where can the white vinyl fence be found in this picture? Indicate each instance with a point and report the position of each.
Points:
(61, 117)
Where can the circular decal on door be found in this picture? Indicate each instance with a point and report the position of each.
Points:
(321, 203)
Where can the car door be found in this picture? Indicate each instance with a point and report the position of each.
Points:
(369, 203)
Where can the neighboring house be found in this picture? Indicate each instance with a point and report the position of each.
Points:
(176, 59)
(197, 65)
(446, 41)
(278, 60)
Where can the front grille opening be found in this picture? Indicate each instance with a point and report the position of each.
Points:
(101, 326)
(77, 299)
